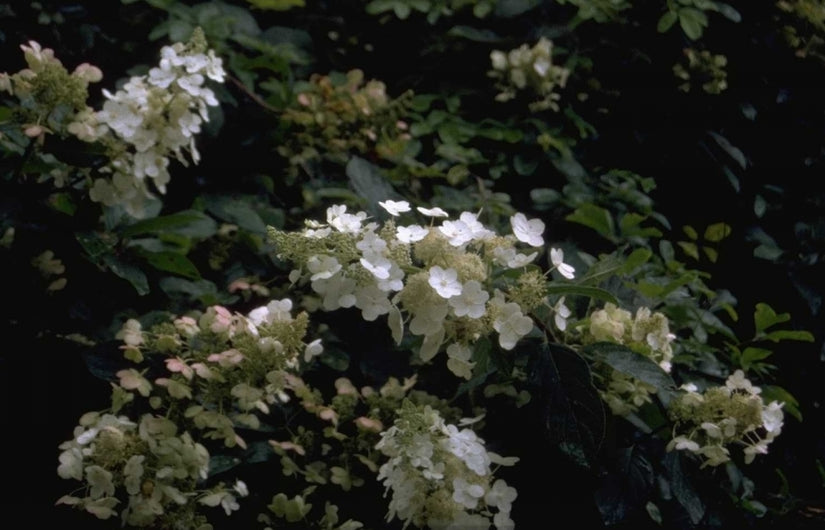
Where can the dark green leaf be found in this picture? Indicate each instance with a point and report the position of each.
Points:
(594, 217)
(172, 262)
(236, 211)
(512, 8)
(666, 21)
(370, 184)
(790, 334)
(626, 486)
(128, 272)
(572, 413)
(190, 223)
(474, 34)
(681, 487)
(581, 290)
(637, 258)
(692, 22)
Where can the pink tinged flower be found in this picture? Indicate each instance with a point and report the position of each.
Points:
(179, 365)
(368, 424)
(131, 379)
(527, 231)
(557, 258)
(471, 302)
(411, 234)
(226, 359)
(395, 208)
(445, 282)
(433, 212)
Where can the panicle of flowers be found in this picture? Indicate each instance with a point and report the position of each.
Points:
(529, 69)
(440, 476)
(146, 470)
(151, 118)
(333, 117)
(646, 333)
(441, 282)
(708, 423)
(49, 96)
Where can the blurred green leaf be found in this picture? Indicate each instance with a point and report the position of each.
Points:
(190, 223)
(629, 362)
(764, 317)
(172, 262)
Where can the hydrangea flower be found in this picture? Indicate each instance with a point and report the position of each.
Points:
(528, 231)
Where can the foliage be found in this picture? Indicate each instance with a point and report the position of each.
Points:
(275, 216)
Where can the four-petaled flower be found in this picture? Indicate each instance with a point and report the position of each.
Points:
(395, 208)
(527, 231)
(445, 282)
(557, 258)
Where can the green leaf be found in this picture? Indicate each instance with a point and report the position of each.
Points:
(729, 12)
(63, 203)
(764, 317)
(692, 22)
(572, 413)
(751, 355)
(512, 8)
(236, 211)
(636, 259)
(128, 272)
(625, 486)
(475, 34)
(666, 21)
(172, 262)
(690, 232)
(717, 232)
(369, 183)
(777, 393)
(683, 490)
(190, 223)
(629, 362)
(276, 5)
(593, 217)
(689, 248)
(581, 290)
(790, 334)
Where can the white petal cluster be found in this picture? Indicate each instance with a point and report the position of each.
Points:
(531, 70)
(150, 119)
(440, 282)
(709, 422)
(439, 476)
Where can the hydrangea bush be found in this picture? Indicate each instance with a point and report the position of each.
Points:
(382, 301)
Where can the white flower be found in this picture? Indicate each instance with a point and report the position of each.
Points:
(456, 232)
(509, 258)
(511, 325)
(471, 301)
(433, 212)
(313, 349)
(501, 496)
(372, 302)
(527, 231)
(411, 234)
(738, 381)
(557, 257)
(466, 494)
(322, 267)
(683, 443)
(395, 208)
(445, 282)
(772, 417)
(562, 313)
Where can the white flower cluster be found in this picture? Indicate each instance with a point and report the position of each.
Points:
(154, 465)
(647, 333)
(443, 276)
(733, 414)
(529, 68)
(440, 477)
(151, 118)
